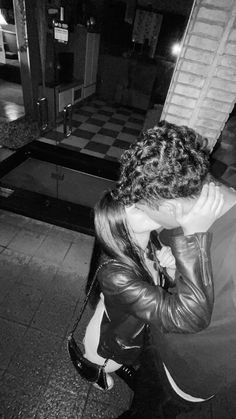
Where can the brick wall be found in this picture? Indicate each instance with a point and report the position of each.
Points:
(202, 92)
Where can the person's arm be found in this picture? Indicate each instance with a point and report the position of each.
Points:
(188, 310)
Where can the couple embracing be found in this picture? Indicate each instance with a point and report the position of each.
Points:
(167, 280)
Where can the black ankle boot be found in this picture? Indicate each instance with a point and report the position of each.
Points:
(127, 374)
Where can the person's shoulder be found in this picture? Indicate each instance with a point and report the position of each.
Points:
(234, 209)
(115, 267)
(228, 219)
(224, 229)
(115, 272)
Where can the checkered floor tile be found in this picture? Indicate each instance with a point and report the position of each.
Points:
(100, 130)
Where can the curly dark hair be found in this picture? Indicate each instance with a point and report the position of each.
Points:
(167, 162)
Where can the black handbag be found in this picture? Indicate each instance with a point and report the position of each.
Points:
(88, 370)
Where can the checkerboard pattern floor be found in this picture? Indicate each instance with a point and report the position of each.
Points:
(99, 130)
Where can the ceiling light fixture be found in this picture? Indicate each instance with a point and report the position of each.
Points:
(176, 48)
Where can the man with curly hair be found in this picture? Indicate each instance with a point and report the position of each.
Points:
(195, 374)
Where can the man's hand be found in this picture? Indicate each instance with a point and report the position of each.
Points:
(204, 212)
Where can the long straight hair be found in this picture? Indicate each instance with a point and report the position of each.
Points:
(113, 235)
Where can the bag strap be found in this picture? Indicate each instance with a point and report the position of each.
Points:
(88, 295)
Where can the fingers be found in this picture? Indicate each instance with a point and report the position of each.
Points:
(218, 202)
(206, 193)
(220, 205)
(178, 211)
(213, 195)
(211, 199)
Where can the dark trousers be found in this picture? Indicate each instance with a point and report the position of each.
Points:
(154, 397)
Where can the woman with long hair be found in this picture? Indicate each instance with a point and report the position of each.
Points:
(141, 282)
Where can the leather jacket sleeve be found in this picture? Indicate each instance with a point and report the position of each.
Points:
(186, 309)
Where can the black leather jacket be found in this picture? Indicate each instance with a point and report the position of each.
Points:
(132, 302)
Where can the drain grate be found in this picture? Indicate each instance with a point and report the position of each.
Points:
(6, 192)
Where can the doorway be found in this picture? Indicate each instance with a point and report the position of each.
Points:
(11, 94)
(139, 47)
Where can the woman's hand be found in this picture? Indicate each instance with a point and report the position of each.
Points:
(204, 212)
(167, 260)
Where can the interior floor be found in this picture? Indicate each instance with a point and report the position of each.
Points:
(11, 101)
(99, 129)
